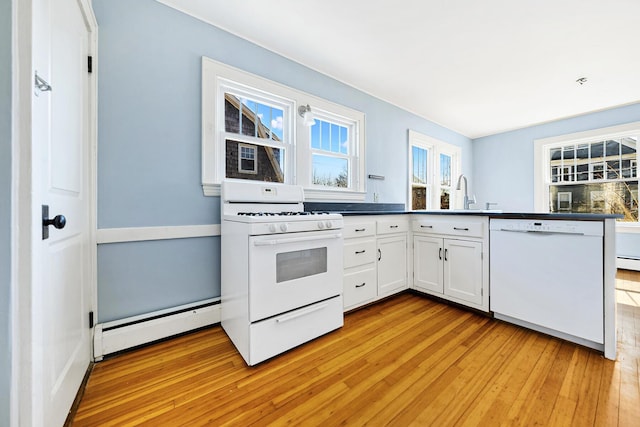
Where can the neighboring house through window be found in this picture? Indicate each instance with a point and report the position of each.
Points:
(432, 166)
(589, 172)
(252, 130)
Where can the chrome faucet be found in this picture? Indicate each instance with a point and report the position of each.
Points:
(467, 201)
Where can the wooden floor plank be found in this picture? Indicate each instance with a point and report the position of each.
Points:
(408, 360)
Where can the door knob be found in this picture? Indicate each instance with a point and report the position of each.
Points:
(58, 221)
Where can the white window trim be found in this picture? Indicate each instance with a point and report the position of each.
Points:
(541, 160)
(435, 147)
(215, 74)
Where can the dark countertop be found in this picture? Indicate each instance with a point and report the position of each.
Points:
(495, 214)
(355, 209)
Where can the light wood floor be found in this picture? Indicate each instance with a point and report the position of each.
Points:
(406, 361)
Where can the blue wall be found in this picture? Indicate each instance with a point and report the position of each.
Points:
(149, 147)
(5, 210)
(503, 163)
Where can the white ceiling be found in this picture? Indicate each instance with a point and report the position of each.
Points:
(476, 67)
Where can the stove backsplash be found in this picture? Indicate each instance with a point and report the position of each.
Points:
(353, 207)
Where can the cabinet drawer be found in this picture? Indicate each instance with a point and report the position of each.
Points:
(389, 226)
(359, 287)
(359, 229)
(450, 227)
(359, 252)
(462, 228)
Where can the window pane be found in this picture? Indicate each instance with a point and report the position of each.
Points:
(613, 169)
(419, 160)
(254, 118)
(325, 135)
(555, 154)
(248, 115)
(582, 152)
(568, 152)
(330, 171)
(418, 197)
(606, 197)
(267, 162)
(330, 137)
(582, 172)
(444, 198)
(315, 136)
(597, 150)
(344, 140)
(613, 148)
(445, 171)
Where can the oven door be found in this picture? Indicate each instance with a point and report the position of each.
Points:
(289, 271)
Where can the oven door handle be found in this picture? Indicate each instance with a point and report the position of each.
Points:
(300, 313)
(273, 242)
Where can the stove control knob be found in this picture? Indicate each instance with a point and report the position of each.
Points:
(272, 228)
(329, 225)
(320, 225)
(283, 227)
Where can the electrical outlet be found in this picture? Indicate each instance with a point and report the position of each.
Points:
(376, 197)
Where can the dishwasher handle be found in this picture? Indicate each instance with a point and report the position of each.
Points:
(541, 232)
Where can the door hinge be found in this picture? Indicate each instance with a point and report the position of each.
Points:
(90, 64)
(90, 319)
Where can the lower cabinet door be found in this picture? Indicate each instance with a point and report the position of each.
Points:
(360, 286)
(428, 253)
(463, 270)
(392, 264)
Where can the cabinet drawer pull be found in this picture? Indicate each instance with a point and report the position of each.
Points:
(461, 228)
(440, 254)
(379, 254)
(360, 252)
(359, 286)
(446, 251)
(360, 229)
(426, 226)
(393, 226)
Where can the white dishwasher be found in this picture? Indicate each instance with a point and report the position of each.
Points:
(547, 275)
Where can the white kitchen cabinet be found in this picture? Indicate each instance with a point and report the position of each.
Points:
(392, 264)
(360, 257)
(375, 258)
(448, 259)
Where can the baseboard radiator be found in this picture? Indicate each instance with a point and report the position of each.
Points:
(112, 337)
(628, 263)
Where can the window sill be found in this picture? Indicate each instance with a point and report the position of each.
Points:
(628, 227)
(310, 195)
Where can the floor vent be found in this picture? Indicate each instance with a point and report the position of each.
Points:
(112, 337)
(628, 263)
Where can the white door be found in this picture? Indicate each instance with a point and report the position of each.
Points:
(61, 265)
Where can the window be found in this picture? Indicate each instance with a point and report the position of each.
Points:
(590, 172)
(432, 166)
(247, 159)
(330, 159)
(251, 130)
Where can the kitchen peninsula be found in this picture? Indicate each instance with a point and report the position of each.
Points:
(550, 272)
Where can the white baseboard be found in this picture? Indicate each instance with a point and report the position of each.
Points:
(111, 339)
(628, 263)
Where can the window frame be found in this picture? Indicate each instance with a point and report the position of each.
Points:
(218, 78)
(541, 163)
(435, 148)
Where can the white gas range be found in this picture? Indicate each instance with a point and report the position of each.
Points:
(281, 269)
